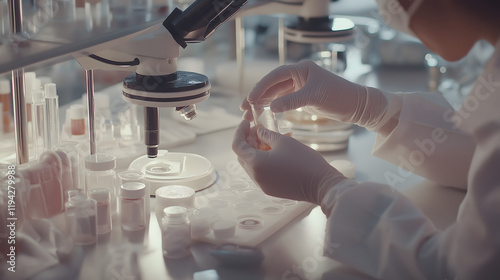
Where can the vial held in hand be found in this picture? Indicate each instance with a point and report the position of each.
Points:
(263, 116)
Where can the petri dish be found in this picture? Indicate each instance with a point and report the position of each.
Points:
(244, 206)
(284, 202)
(253, 196)
(271, 208)
(250, 222)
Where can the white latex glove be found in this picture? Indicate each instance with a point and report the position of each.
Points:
(290, 169)
(289, 87)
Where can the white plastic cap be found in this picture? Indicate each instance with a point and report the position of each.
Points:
(5, 86)
(76, 112)
(100, 195)
(100, 162)
(133, 190)
(175, 195)
(38, 96)
(50, 90)
(175, 212)
(131, 176)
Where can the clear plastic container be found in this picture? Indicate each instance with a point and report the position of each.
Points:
(103, 208)
(77, 118)
(132, 206)
(176, 238)
(100, 173)
(202, 220)
(263, 116)
(81, 219)
(77, 172)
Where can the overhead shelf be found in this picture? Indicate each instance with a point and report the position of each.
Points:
(59, 39)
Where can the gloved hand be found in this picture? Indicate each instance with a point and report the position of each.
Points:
(290, 169)
(325, 94)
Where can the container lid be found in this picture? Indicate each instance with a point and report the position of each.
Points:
(5, 86)
(76, 112)
(133, 190)
(100, 162)
(100, 195)
(131, 176)
(174, 192)
(38, 96)
(174, 214)
(29, 81)
(50, 90)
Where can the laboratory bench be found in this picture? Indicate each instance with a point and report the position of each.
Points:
(294, 251)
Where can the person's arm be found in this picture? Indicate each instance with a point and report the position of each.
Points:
(380, 232)
(417, 135)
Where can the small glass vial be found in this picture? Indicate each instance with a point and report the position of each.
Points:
(101, 174)
(77, 117)
(101, 196)
(81, 218)
(137, 176)
(132, 206)
(176, 237)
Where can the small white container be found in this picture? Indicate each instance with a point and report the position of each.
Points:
(132, 206)
(176, 239)
(100, 173)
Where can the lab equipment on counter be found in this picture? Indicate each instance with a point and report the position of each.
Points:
(176, 237)
(202, 220)
(103, 209)
(169, 168)
(71, 148)
(152, 54)
(132, 206)
(224, 229)
(100, 173)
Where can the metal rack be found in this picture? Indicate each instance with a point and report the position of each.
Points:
(57, 41)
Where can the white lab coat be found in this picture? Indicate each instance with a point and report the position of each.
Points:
(382, 234)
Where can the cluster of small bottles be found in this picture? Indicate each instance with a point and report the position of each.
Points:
(89, 213)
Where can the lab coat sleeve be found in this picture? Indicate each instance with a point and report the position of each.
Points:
(424, 141)
(373, 228)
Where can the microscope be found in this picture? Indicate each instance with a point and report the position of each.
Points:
(152, 54)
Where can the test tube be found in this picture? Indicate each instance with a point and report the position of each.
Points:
(39, 125)
(52, 116)
(5, 91)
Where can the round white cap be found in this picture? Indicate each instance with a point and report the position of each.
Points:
(224, 229)
(175, 195)
(133, 190)
(100, 162)
(50, 90)
(347, 168)
(131, 176)
(5, 86)
(76, 112)
(175, 211)
(100, 195)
